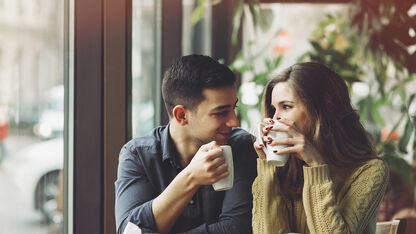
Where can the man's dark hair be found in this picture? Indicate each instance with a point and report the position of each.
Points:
(186, 78)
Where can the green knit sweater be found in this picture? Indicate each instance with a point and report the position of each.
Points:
(334, 200)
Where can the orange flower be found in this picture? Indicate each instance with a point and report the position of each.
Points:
(393, 136)
(282, 43)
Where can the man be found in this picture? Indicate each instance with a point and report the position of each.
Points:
(165, 179)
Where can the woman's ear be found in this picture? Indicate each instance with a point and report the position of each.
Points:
(180, 114)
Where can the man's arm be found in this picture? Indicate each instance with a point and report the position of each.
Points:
(236, 213)
(134, 189)
(134, 194)
(206, 167)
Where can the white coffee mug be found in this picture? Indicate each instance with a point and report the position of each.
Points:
(228, 181)
(278, 160)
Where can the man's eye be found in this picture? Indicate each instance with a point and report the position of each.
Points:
(224, 113)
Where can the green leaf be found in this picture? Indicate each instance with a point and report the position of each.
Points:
(252, 8)
(378, 119)
(268, 64)
(277, 61)
(261, 78)
(404, 140)
(199, 12)
(316, 46)
(403, 169)
(409, 102)
(363, 108)
(237, 18)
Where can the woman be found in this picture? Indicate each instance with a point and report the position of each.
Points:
(333, 181)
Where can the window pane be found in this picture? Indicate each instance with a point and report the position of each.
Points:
(31, 115)
(283, 34)
(145, 75)
(196, 37)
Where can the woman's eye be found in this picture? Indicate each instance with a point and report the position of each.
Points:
(285, 107)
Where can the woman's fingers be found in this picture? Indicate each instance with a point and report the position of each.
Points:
(258, 146)
(287, 141)
(268, 121)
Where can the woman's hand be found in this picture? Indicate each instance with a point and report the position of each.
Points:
(259, 143)
(299, 145)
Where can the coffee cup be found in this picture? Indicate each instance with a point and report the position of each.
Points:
(228, 181)
(278, 160)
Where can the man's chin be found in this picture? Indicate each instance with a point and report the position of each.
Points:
(222, 138)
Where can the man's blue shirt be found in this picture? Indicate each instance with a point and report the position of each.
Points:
(148, 164)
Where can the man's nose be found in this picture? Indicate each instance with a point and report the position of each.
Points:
(233, 121)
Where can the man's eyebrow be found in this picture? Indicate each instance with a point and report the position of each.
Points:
(219, 108)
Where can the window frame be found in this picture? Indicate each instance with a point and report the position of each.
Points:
(98, 109)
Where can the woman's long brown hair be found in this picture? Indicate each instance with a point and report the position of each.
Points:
(336, 130)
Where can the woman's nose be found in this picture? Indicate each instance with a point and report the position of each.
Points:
(276, 115)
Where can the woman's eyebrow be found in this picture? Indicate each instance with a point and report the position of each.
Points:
(284, 101)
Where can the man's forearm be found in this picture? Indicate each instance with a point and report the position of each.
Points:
(229, 225)
(170, 203)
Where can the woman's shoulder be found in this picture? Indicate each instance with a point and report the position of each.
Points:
(376, 163)
(372, 168)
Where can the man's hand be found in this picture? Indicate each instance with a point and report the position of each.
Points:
(208, 165)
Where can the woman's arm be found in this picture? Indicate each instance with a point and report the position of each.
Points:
(270, 214)
(352, 212)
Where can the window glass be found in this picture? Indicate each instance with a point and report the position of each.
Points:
(31, 115)
(283, 34)
(196, 27)
(144, 69)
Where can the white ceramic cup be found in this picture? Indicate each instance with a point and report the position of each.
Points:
(278, 160)
(228, 181)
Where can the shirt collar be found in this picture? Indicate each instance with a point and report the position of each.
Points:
(169, 152)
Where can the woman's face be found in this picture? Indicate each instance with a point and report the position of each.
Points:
(288, 106)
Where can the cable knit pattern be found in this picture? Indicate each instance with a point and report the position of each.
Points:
(334, 200)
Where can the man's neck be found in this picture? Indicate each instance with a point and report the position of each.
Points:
(183, 143)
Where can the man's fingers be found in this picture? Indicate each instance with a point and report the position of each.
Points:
(213, 154)
(210, 146)
(212, 165)
(222, 174)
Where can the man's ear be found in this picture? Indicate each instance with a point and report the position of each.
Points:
(180, 114)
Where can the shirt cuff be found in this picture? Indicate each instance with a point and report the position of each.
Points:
(143, 217)
(316, 175)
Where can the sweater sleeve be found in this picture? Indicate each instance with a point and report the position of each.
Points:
(354, 209)
(268, 203)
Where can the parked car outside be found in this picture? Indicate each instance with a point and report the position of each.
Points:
(51, 119)
(35, 172)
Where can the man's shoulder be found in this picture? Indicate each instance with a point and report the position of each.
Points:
(149, 142)
(240, 136)
(242, 143)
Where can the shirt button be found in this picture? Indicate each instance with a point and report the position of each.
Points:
(191, 202)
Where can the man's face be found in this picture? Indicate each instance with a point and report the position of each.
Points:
(214, 116)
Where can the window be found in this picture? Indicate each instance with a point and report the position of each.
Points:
(284, 34)
(196, 38)
(145, 72)
(31, 116)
